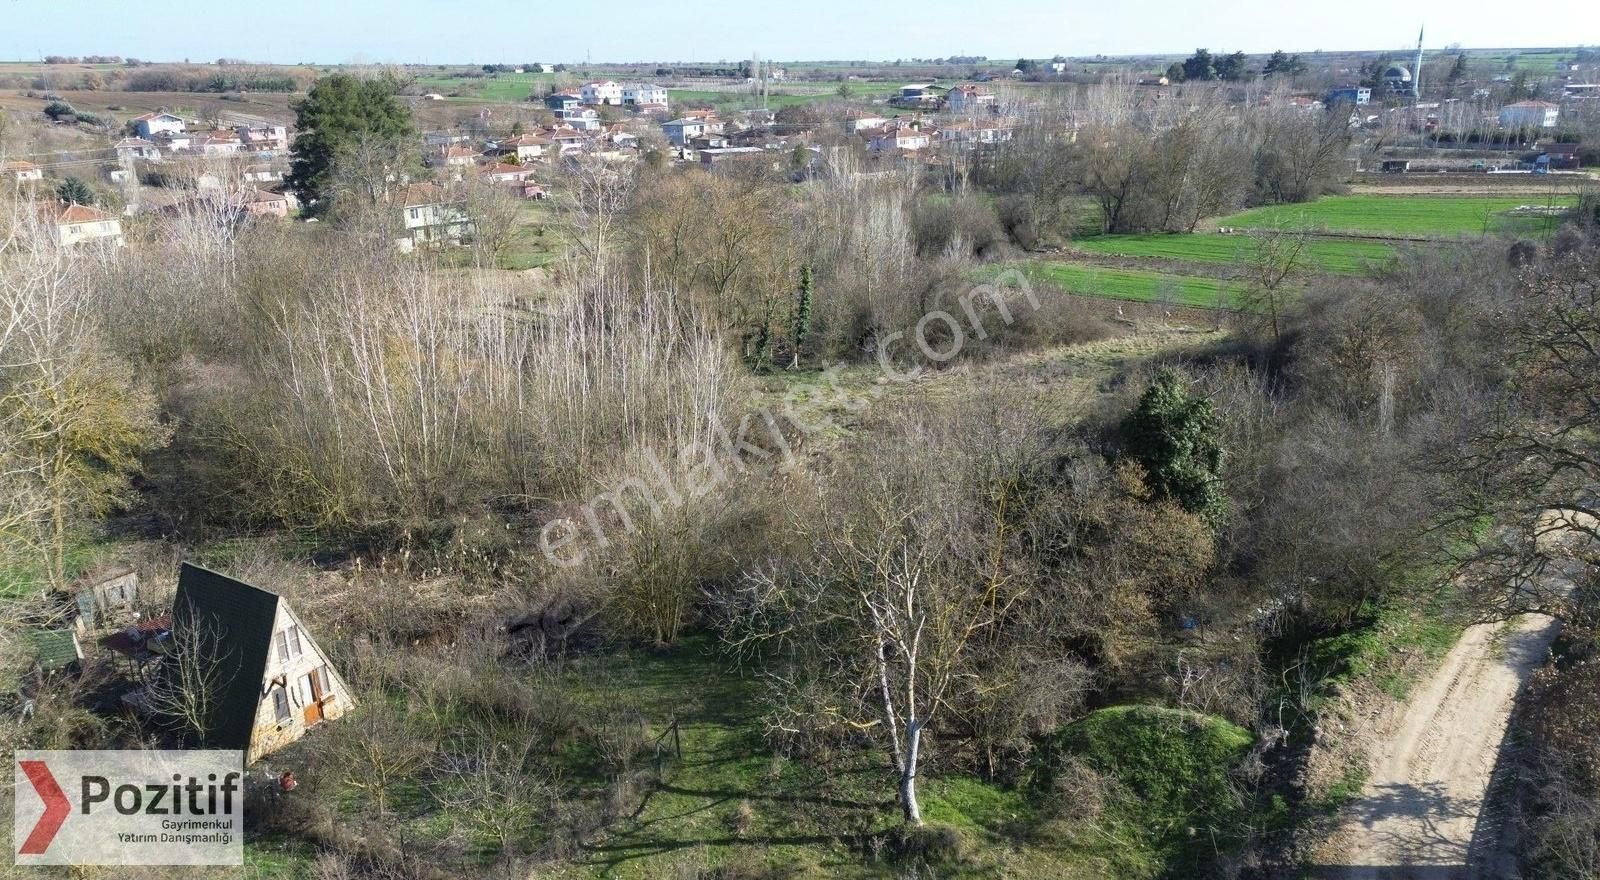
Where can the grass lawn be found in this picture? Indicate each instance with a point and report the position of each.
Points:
(1138, 285)
(535, 242)
(1344, 257)
(1404, 215)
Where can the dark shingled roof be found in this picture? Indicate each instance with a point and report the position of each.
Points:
(240, 618)
(56, 649)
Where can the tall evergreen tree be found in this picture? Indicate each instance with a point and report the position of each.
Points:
(1199, 67)
(74, 191)
(339, 112)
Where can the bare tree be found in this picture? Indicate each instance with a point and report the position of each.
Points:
(186, 688)
(1274, 262)
(594, 195)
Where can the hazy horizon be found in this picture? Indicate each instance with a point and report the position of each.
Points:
(432, 32)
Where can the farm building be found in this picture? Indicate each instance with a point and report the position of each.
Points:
(1530, 114)
(1358, 95)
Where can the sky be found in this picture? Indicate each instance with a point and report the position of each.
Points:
(449, 31)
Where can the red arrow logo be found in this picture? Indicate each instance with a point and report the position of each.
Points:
(56, 808)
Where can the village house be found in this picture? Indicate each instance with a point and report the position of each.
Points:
(279, 682)
(582, 119)
(617, 136)
(261, 173)
(263, 136)
(129, 149)
(640, 94)
(606, 92)
(523, 147)
(150, 125)
(20, 170)
(969, 98)
(456, 156)
(1530, 114)
(568, 140)
(504, 173)
(858, 122)
(515, 178)
(898, 136)
(718, 157)
(708, 141)
(680, 131)
(217, 143)
(74, 224)
(264, 203)
(562, 102)
(976, 132)
(436, 139)
(431, 215)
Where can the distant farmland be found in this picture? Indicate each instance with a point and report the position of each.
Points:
(1325, 255)
(1136, 285)
(1409, 216)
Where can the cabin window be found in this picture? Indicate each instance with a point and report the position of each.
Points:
(280, 704)
(289, 644)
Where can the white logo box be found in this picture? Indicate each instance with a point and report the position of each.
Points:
(129, 807)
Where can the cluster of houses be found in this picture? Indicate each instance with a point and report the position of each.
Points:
(237, 655)
(236, 168)
(153, 134)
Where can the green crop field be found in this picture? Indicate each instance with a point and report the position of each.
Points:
(1136, 285)
(742, 99)
(1414, 216)
(503, 87)
(1343, 257)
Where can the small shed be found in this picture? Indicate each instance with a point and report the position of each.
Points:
(106, 595)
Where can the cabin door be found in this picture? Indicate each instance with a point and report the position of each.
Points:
(313, 686)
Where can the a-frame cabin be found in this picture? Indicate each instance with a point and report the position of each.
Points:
(275, 683)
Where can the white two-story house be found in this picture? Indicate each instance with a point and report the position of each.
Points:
(606, 92)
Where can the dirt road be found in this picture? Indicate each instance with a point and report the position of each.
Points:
(1419, 815)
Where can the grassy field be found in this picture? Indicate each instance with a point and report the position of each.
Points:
(507, 88)
(1408, 216)
(1343, 257)
(1137, 285)
(535, 242)
(744, 100)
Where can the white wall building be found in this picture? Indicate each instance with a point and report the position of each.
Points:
(606, 92)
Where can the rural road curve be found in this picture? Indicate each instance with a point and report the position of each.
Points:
(1416, 817)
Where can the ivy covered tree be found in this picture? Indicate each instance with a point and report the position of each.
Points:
(1174, 435)
(339, 113)
(802, 315)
